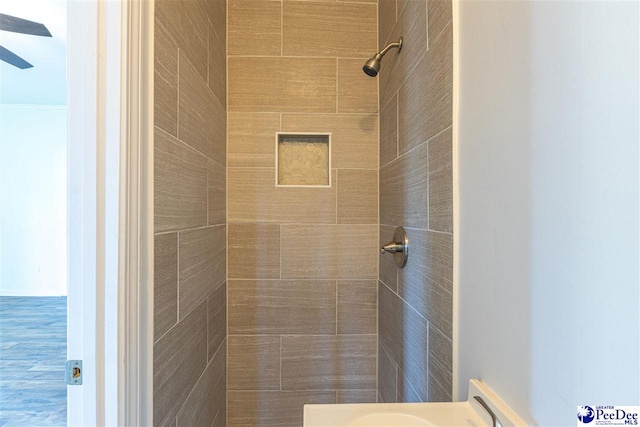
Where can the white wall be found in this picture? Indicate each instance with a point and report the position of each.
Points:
(33, 200)
(548, 290)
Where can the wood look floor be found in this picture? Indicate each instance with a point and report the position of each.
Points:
(33, 350)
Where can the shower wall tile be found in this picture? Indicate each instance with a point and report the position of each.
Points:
(281, 307)
(317, 251)
(441, 182)
(201, 116)
(328, 362)
(217, 65)
(254, 362)
(217, 193)
(404, 333)
(388, 272)
(187, 23)
(253, 197)
(328, 29)
(438, 393)
(412, 26)
(354, 136)
(255, 27)
(386, 376)
(201, 265)
(389, 132)
(356, 396)
(422, 117)
(189, 197)
(403, 190)
(208, 397)
(440, 360)
(357, 92)
(216, 319)
(179, 358)
(386, 21)
(357, 306)
(180, 185)
(272, 408)
(165, 81)
(405, 391)
(439, 14)
(254, 251)
(251, 139)
(357, 196)
(165, 290)
(277, 84)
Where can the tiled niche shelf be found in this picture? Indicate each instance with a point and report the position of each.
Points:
(303, 159)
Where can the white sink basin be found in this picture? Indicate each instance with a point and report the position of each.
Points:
(457, 414)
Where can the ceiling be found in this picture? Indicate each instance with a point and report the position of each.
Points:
(45, 83)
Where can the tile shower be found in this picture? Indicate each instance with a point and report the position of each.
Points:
(270, 297)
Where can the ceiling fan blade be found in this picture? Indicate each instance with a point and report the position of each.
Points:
(13, 59)
(19, 25)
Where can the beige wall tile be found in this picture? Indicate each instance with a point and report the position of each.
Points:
(357, 92)
(165, 80)
(328, 362)
(201, 265)
(251, 139)
(255, 27)
(217, 66)
(426, 282)
(354, 136)
(386, 375)
(356, 396)
(180, 185)
(357, 306)
(208, 397)
(216, 319)
(272, 408)
(357, 196)
(253, 197)
(282, 84)
(179, 357)
(389, 131)
(217, 193)
(201, 116)
(422, 117)
(317, 251)
(254, 362)
(404, 334)
(386, 21)
(254, 251)
(441, 183)
(439, 12)
(165, 283)
(217, 12)
(282, 307)
(403, 190)
(388, 271)
(329, 29)
(440, 361)
(396, 66)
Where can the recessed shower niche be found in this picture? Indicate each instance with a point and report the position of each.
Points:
(303, 159)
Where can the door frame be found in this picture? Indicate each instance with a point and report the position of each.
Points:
(110, 302)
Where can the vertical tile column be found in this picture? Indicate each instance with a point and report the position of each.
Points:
(415, 303)
(190, 213)
(302, 289)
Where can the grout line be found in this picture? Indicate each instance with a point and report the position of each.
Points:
(336, 288)
(177, 96)
(281, 362)
(161, 233)
(282, 28)
(177, 277)
(337, 86)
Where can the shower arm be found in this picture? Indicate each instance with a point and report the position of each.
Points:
(390, 46)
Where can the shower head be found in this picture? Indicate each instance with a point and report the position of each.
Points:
(372, 66)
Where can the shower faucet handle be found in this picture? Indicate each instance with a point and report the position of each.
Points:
(392, 248)
(399, 247)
